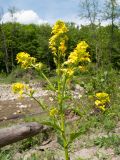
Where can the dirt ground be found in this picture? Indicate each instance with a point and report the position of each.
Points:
(13, 108)
(17, 108)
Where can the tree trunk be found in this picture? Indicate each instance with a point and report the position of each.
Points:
(16, 133)
(4, 48)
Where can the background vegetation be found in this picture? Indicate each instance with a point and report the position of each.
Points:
(33, 39)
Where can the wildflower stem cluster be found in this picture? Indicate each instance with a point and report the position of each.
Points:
(102, 100)
(66, 66)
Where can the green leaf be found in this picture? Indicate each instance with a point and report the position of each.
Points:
(60, 141)
(65, 107)
(73, 136)
(51, 124)
(77, 112)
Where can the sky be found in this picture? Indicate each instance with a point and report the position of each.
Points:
(43, 11)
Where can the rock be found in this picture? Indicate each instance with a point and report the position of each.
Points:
(79, 88)
(78, 92)
(21, 106)
(17, 156)
(7, 94)
(85, 153)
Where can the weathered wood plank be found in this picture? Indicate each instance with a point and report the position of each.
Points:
(18, 132)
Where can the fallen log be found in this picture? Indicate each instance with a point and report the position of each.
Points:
(19, 132)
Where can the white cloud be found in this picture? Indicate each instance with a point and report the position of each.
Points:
(24, 17)
(76, 19)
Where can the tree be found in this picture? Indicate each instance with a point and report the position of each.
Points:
(12, 11)
(90, 11)
(4, 44)
(111, 13)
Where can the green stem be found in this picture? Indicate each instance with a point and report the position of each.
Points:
(66, 154)
(59, 84)
(61, 91)
(64, 137)
(39, 102)
(43, 107)
(50, 84)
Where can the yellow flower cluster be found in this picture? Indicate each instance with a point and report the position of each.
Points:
(62, 48)
(25, 60)
(102, 100)
(82, 68)
(68, 71)
(53, 112)
(57, 43)
(59, 28)
(38, 66)
(18, 88)
(79, 55)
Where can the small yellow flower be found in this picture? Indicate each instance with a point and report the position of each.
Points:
(59, 28)
(38, 66)
(84, 59)
(102, 108)
(68, 71)
(79, 55)
(82, 68)
(25, 60)
(104, 97)
(53, 112)
(82, 46)
(102, 100)
(73, 57)
(97, 102)
(62, 47)
(18, 88)
(57, 43)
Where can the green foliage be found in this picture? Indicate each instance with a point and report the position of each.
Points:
(101, 80)
(30, 142)
(18, 74)
(29, 38)
(109, 141)
(43, 156)
(109, 124)
(74, 136)
(107, 120)
(34, 40)
(6, 154)
(74, 36)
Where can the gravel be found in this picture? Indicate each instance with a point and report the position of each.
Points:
(7, 94)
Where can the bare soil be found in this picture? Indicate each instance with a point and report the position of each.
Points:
(11, 106)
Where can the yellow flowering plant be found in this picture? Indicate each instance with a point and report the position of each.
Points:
(25, 60)
(65, 70)
(102, 100)
(23, 89)
(18, 88)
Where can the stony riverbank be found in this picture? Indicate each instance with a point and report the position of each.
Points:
(11, 105)
(7, 94)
